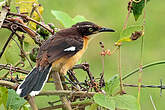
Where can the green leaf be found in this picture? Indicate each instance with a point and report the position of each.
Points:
(3, 98)
(14, 102)
(128, 102)
(64, 18)
(27, 6)
(79, 18)
(137, 8)
(93, 107)
(104, 101)
(128, 31)
(125, 35)
(12, 53)
(28, 43)
(111, 84)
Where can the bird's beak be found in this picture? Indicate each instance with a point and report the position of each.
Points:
(102, 29)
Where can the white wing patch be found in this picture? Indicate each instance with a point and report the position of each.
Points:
(72, 48)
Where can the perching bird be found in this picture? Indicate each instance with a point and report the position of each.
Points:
(60, 52)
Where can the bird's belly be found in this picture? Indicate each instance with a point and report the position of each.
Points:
(64, 64)
(71, 62)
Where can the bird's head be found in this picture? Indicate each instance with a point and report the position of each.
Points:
(88, 28)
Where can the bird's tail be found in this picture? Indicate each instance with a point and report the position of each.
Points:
(34, 82)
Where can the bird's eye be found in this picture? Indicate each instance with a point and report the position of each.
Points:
(90, 29)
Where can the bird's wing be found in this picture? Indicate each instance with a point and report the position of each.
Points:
(57, 47)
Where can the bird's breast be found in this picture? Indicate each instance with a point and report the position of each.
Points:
(62, 65)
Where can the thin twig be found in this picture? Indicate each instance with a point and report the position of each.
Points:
(5, 75)
(120, 72)
(85, 67)
(17, 69)
(128, 14)
(73, 78)
(32, 33)
(66, 92)
(152, 102)
(7, 42)
(30, 19)
(143, 67)
(119, 49)
(8, 84)
(31, 13)
(20, 23)
(39, 14)
(73, 104)
(23, 53)
(141, 59)
(101, 83)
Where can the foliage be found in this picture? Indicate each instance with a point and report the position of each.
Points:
(3, 98)
(28, 6)
(137, 8)
(12, 50)
(9, 100)
(111, 102)
(93, 107)
(127, 102)
(42, 32)
(112, 84)
(107, 100)
(65, 19)
(104, 101)
(127, 34)
(15, 102)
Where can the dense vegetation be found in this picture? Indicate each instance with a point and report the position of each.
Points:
(139, 25)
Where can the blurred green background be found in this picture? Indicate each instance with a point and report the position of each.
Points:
(112, 13)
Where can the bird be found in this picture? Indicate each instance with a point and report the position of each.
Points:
(60, 53)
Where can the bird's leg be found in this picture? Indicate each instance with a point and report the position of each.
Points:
(73, 77)
(62, 77)
(72, 83)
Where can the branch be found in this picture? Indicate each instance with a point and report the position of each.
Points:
(66, 103)
(143, 67)
(31, 101)
(7, 42)
(23, 28)
(8, 84)
(22, 51)
(73, 104)
(17, 69)
(30, 19)
(85, 67)
(65, 92)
